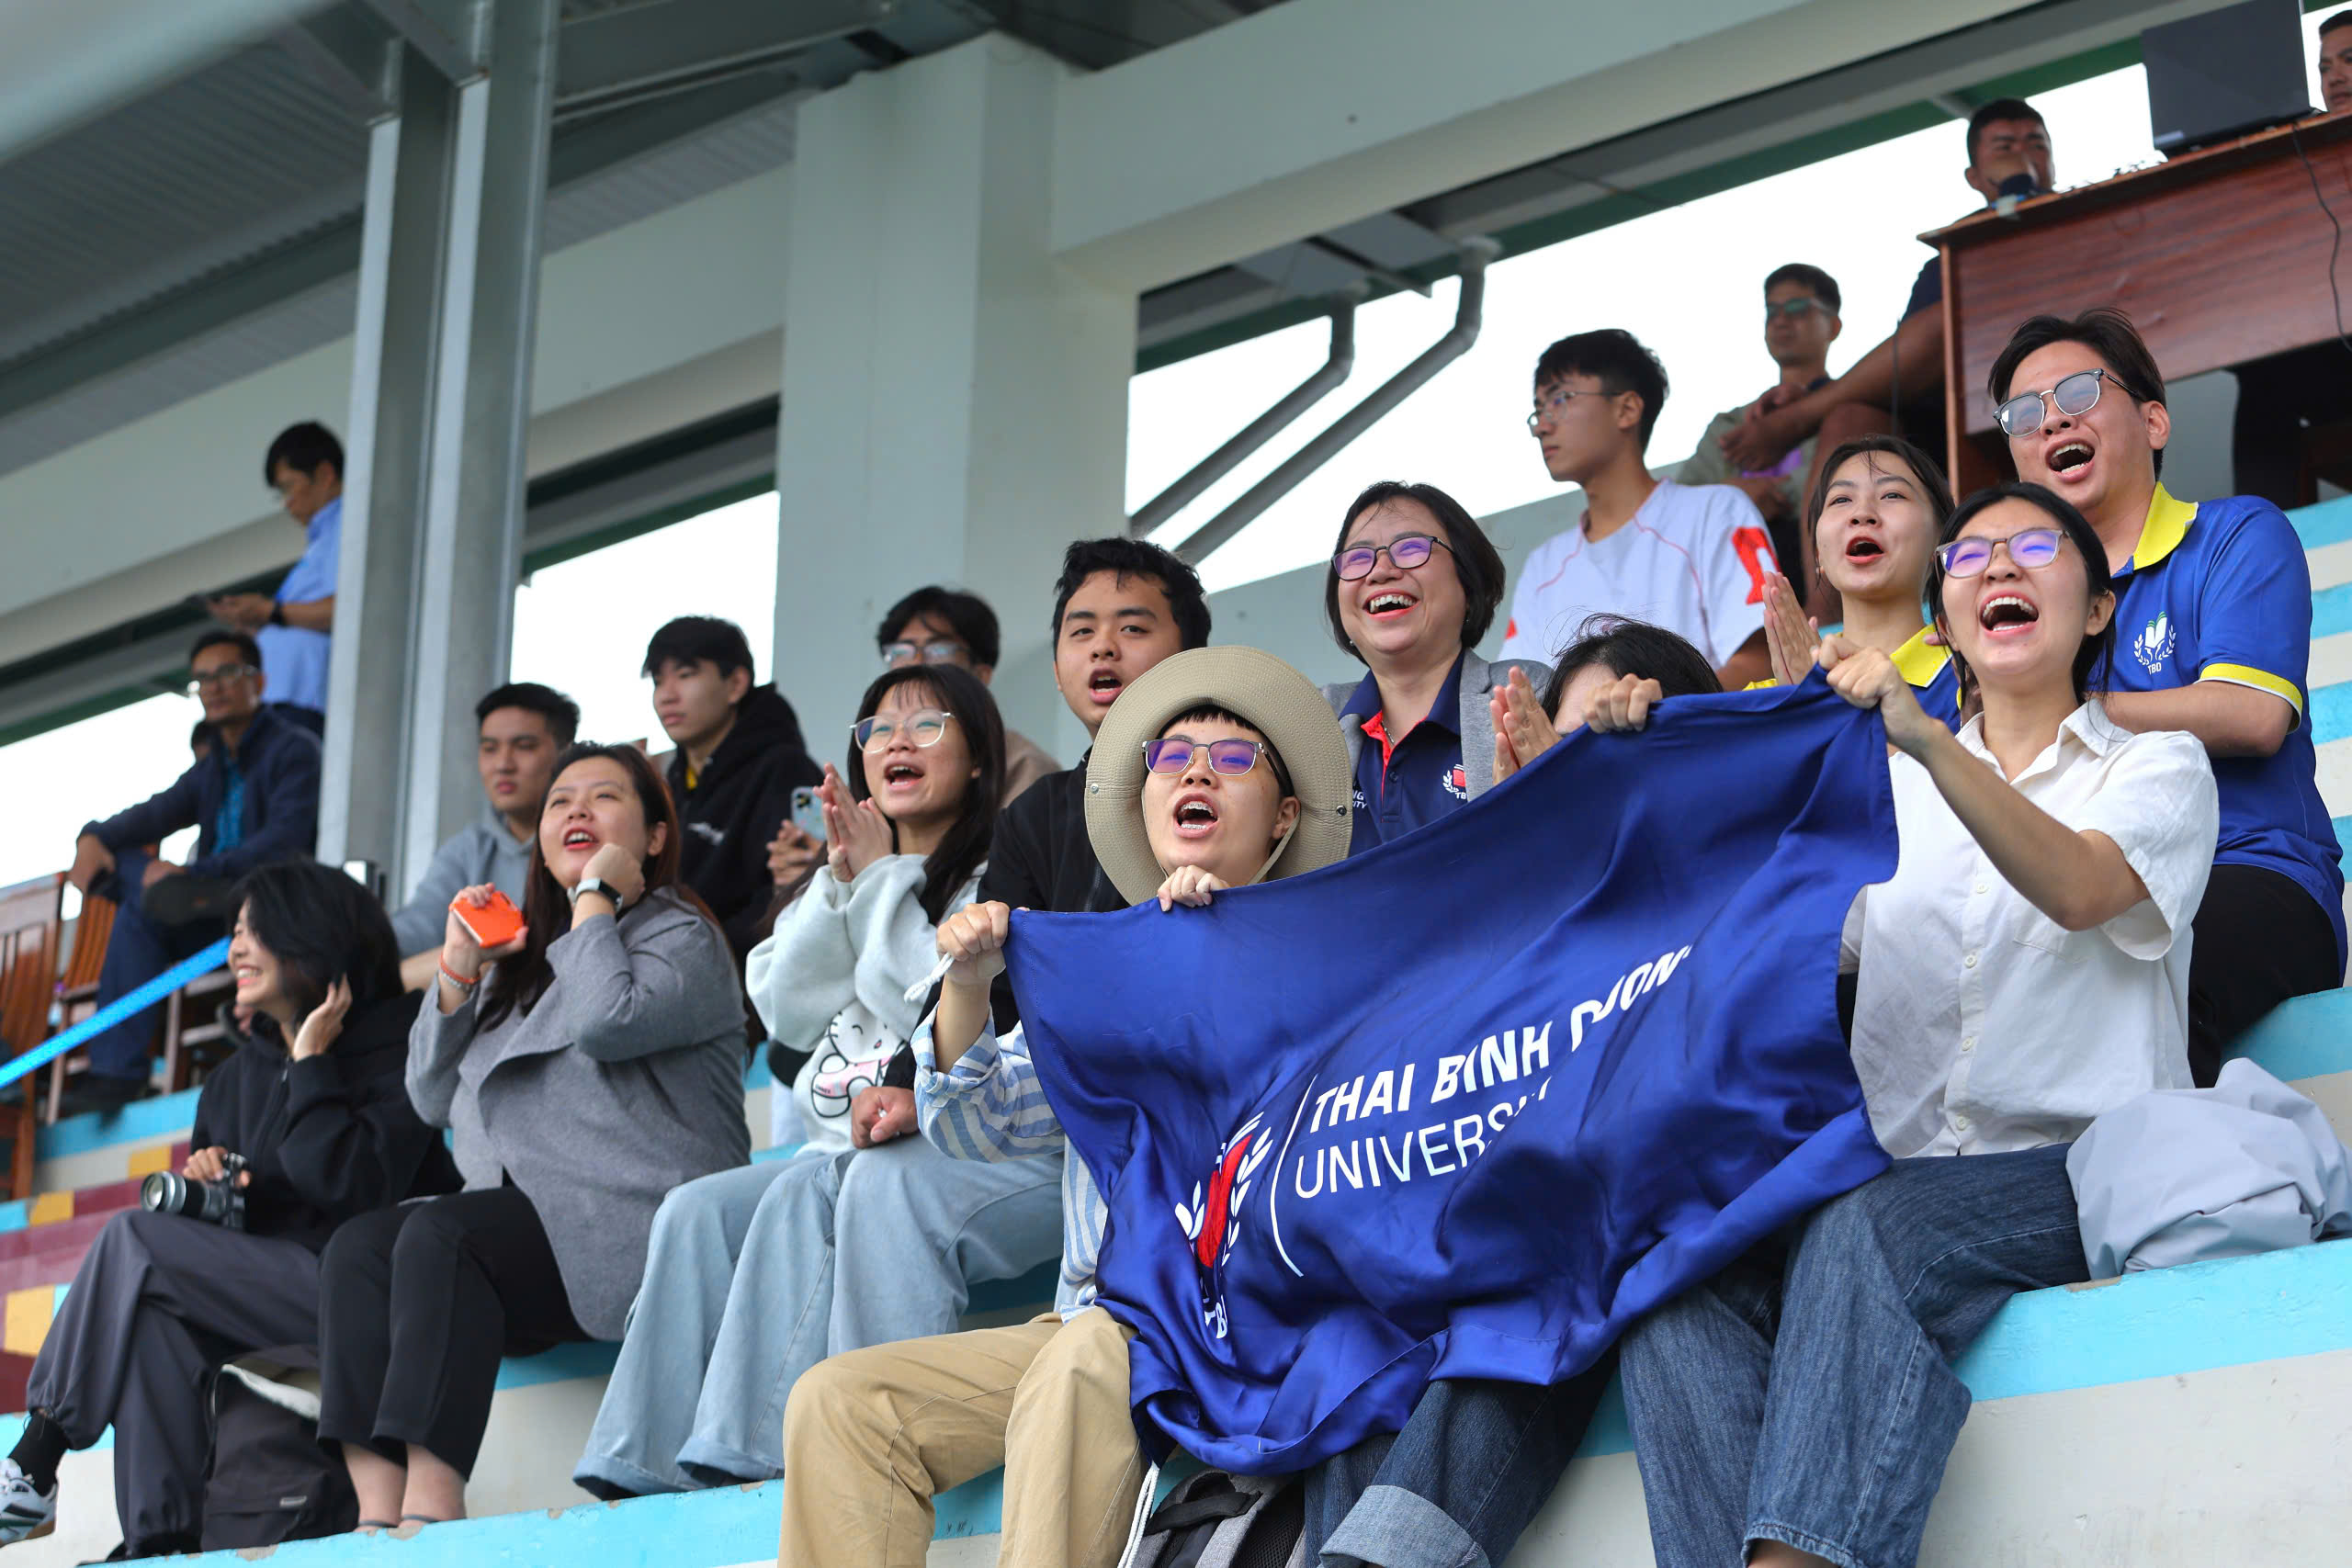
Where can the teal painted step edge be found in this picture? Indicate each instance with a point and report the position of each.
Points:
(2329, 522)
(2276, 1306)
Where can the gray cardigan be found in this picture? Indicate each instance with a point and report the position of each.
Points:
(1477, 728)
(625, 1081)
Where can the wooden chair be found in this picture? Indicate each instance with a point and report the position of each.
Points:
(31, 920)
(194, 1040)
(77, 989)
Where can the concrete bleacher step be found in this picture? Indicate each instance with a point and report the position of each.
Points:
(2186, 1415)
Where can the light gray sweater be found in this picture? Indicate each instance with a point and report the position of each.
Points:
(625, 1081)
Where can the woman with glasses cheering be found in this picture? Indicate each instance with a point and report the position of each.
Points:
(2024, 970)
(1413, 587)
(755, 1275)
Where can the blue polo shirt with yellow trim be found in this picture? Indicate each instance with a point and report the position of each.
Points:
(2220, 591)
(1934, 679)
(1412, 780)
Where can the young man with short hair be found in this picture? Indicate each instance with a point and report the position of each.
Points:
(1245, 748)
(1691, 558)
(739, 758)
(1899, 386)
(1801, 321)
(945, 625)
(2212, 636)
(1120, 607)
(253, 797)
(524, 727)
(293, 627)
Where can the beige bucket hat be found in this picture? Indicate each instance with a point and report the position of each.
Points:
(1279, 702)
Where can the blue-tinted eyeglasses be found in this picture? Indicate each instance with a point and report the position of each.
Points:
(2028, 548)
(1173, 754)
(1405, 552)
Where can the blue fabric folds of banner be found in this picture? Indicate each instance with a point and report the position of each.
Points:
(1469, 1105)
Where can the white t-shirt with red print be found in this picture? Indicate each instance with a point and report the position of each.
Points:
(1692, 559)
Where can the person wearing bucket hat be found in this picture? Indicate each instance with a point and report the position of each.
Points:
(1219, 767)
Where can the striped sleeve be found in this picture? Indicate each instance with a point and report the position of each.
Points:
(989, 1105)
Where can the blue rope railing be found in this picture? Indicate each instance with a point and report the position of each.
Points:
(115, 1011)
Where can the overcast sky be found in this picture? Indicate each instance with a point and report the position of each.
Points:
(1687, 280)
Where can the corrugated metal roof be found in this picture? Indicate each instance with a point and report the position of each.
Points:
(234, 160)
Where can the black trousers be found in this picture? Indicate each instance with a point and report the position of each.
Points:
(2259, 940)
(160, 1301)
(416, 1306)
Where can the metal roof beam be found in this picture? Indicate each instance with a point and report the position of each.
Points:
(644, 46)
(350, 53)
(445, 32)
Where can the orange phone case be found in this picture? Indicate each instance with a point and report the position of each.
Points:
(494, 923)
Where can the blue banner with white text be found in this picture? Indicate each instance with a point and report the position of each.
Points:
(1469, 1105)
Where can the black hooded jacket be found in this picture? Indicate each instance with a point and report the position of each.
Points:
(329, 1138)
(738, 800)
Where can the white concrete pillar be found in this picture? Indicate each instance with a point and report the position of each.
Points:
(955, 400)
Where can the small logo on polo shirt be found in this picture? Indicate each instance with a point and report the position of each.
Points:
(2153, 645)
(1457, 782)
(1359, 800)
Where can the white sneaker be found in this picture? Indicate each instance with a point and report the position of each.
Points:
(26, 1514)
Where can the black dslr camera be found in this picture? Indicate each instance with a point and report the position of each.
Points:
(215, 1202)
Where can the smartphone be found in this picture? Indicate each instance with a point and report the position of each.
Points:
(493, 924)
(808, 812)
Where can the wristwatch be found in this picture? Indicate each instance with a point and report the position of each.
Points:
(597, 884)
(276, 613)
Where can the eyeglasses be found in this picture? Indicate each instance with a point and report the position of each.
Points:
(2029, 547)
(1555, 402)
(923, 727)
(220, 675)
(894, 654)
(1801, 305)
(1173, 754)
(2074, 395)
(1405, 552)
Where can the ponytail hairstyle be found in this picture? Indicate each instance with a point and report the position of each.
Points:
(516, 984)
(958, 859)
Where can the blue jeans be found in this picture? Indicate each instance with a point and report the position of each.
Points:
(1476, 1461)
(1805, 1394)
(755, 1275)
(137, 951)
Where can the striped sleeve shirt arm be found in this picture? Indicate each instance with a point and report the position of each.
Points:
(988, 1106)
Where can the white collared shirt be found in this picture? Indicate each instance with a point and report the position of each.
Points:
(1981, 1025)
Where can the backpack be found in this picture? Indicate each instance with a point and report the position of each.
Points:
(267, 1480)
(1216, 1520)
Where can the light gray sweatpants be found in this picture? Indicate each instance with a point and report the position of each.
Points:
(755, 1275)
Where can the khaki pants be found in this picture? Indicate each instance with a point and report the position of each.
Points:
(871, 1435)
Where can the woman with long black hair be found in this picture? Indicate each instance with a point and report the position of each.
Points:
(758, 1274)
(596, 1066)
(307, 1125)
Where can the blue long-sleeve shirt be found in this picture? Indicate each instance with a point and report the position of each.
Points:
(279, 761)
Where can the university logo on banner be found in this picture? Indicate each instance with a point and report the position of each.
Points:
(1468, 1104)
